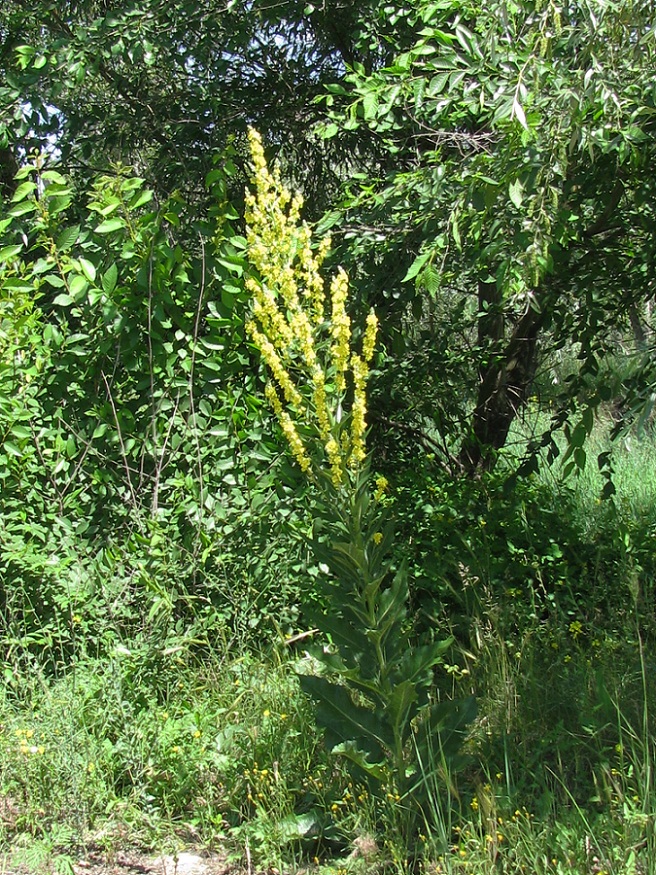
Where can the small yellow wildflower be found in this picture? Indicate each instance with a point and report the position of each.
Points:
(377, 537)
(576, 628)
(381, 487)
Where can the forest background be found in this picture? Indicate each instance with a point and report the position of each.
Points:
(441, 659)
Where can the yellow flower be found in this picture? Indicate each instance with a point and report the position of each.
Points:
(335, 460)
(377, 537)
(320, 403)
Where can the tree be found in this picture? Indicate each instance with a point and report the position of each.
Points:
(522, 136)
(166, 86)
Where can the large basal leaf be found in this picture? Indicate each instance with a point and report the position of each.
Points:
(417, 663)
(349, 749)
(349, 640)
(343, 720)
(402, 708)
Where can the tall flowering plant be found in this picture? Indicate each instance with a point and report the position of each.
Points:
(375, 694)
(304, 333)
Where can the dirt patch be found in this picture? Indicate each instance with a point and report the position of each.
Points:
(134, 862)
(184, 863)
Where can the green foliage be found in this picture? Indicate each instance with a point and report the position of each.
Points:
(136, 483)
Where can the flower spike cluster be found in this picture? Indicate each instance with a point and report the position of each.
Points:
(303, 334)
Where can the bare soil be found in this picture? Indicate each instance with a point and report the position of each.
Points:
(134, 862)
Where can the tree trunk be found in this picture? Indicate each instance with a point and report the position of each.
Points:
(505, 382)
(8, 171)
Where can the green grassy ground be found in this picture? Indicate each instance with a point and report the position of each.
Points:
(161, 742)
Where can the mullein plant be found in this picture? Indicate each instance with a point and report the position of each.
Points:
(375, 693)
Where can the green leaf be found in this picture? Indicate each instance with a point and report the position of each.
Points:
(54, 176)
(110, 225)
(400, 708)
(417, 662)
(67, 238)
(11, 448)
(343, 720)
(8, 252)
(63, 300)
(349, 749)
(518, 113)
(54, 280)
(416, 266)
(21, 431)
(430, 279)
(88, 269)
(22, 209)
(370, 105)
(77, 288)
(24, 189)
(516, 193)
(141, 198)
(109, 279)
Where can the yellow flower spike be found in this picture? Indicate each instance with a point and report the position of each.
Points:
(308, 359)
(369, 339)
(320, 405)
(271, 357)
(335, 461)
(359, 411)
(382, 486)
(340, 328)
(289, 429)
